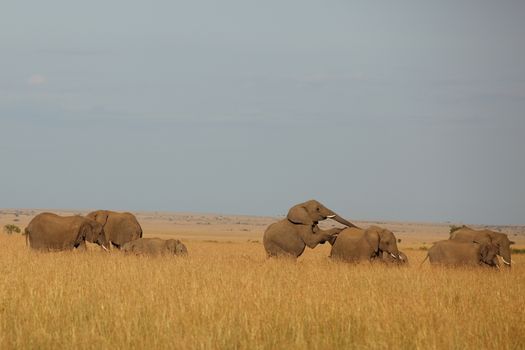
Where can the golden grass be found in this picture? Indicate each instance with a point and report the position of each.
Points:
(229, 296)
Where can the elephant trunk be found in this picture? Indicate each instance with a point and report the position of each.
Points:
(103, 242)
(341, 220)
(505, 256)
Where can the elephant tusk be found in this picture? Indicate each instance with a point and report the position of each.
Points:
(393, 255)
(505, 261)
(106, 249)
(330, 216)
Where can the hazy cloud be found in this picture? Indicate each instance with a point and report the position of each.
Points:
(36, 80)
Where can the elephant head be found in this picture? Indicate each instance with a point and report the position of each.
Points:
(401, 261)
(311, 212)
(382, 240)
(176, 247)
(92, 231)
(488, 252)
(503, 244)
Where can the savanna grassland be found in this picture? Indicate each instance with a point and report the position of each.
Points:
(227, 295)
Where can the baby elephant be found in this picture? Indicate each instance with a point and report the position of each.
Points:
(454, 253)
(389, 260)
(155, 246)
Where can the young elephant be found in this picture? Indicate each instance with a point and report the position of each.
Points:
(290, 236)
(155, 246)
(48, 231)
(389, 260)
(454, 253)
(355, 244)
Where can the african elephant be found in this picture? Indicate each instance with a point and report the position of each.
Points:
(120, 227)
(155, 246)
(299, 229)
(356, 244)
(389, 260)
(466, 234)
(48, 231)
(456, 253)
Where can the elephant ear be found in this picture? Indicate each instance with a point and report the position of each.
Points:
(372, 237)
(101, 216)
(299, 215)
(484, 251)
(86, 232)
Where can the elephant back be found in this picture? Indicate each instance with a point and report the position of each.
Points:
(346, 243)
(54, 232)
(469, 235)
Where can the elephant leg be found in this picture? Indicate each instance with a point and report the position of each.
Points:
(274, 250)
(82, 246)
(331, 240)
(312, 239)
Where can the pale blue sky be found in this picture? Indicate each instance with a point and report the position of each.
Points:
(387, 110)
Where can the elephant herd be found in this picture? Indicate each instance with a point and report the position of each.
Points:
(48, 231)
(285, 238)
(465, 247)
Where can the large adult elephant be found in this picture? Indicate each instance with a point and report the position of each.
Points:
(356, 244)
(468, 235)
(290, 236)
(120, 227)
(456, 253)
(155, 246)
(48, 231)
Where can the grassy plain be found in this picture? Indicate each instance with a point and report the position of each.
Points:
(227, 295)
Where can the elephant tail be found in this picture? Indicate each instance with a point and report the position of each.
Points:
(426, 257)
(26, 233)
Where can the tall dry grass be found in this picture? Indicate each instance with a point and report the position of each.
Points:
(229, 296)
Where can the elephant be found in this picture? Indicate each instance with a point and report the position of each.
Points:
(290, 236)
(457, 253)
(356, 244)
(155, 246)
(389, 259)
(466, 234)
(48, 231)
(120, 227)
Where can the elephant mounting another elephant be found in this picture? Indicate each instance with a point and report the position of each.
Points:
(290, 236)
(356, 244)
(119, 227)
(48, 231)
